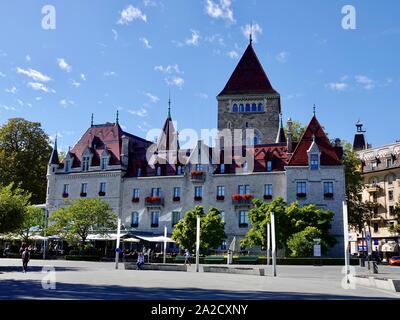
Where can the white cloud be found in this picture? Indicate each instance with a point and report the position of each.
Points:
(131, 13)
(366, 82)
(175, 81)
(202, 95)
(149, 3)
(39, 86)
(76, 84)
(8, 108)
(38, 98)
(28, 58)
(12, 90)
(142, 112)
(2, 74)
(146, 43)
(83, 77)
(168, 69)
(221, 10)
(109, 74)
(282, 56)
(115, 34)
(233, 54)
(63, 65)
(253, 30)
(194, 40)
(20, 102)
(65, 103)
(34, 74)
(338, 86)
(153, 98)
(215, 38)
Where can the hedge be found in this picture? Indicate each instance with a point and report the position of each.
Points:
(82, 258)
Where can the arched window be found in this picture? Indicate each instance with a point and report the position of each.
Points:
(260, 107)
(254, 107)
(241, 107)
(158, 171)
(235, 108)
(247, 107)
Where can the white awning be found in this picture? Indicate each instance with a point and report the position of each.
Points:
(130, 240)
(109, 236)
(390, 246)
(156, 239)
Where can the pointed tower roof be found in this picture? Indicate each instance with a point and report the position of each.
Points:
(248, 77)
(359, 142)
(281, 137)
(54, 154)
(315, 134)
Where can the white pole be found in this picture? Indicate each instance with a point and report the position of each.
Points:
(117, 246)
(198, 244)
(268, 242)
(346, 241)
(273, 243)
(165, 243)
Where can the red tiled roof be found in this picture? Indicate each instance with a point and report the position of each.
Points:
(329, 154)
(248, 76)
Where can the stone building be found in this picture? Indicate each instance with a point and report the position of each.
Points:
(381, 175)
(150, 193)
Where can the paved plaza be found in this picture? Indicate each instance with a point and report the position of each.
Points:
(100, 280)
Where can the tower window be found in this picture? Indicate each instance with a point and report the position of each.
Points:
(260, 107)
(241, 107)
(254, 107)
(235, 108)
(247, 107)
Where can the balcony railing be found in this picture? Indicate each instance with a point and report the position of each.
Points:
(176, 199)
(102, 193)
(220, 198)
(328, 195)
(242, 199)
(135, 199)
(373, 188)
(154, 201)
(267, 196)
(301, 195)
(65, 195)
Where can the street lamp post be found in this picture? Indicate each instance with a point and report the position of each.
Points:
(198, 244)
(117, 250)
(273, 243)
(46, 217)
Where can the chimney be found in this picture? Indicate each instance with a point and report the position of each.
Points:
(124, 152)
(289, 135)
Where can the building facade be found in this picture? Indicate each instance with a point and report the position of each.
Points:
(381, 179)
(149, 193)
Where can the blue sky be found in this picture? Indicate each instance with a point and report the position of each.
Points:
(126, 55)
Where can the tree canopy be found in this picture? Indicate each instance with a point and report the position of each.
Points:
(289, 220)
(211, 226)
(75, 221)
(24, 155)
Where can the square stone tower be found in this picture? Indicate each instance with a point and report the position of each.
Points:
(249, 100)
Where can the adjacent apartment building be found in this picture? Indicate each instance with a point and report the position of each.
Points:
(381, 174)
(151, 193)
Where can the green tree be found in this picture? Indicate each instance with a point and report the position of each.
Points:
(211, 226)
(289, 219)
(75, 221)
(24, 154)
(301, 243)
(395, 228)
(297, 130)
(13, 206)
(33, 217)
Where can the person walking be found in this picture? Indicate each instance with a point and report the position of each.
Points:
(188, 258)
(25, 259)
(140, 261)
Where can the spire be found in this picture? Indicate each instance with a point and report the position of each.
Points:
(54, 154)
(359, 142)
(281, 138)
(251, 33)
(314, 109)
(117, 119)
(169, 105)
(91, 122)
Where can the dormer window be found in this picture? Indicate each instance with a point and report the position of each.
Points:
(139, 172)
(222, 168)
(104, 163)
(67, 165)
(314, 161)
(158, 171)
(85, 163)
(269, 165)
(199, 167)
(245, 167)
(179, 170)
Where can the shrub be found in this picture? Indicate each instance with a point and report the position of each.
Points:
(301, 243)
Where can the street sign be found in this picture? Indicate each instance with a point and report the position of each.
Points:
(368, 237)
(118, 250)
(317, 250)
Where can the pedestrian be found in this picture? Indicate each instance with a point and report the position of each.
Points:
(188, 257)
(25, 259)
(140, 261)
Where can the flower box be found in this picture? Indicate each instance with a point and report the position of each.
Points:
(83, 194)
(196, 173)
(267, 196)
(301, 195)
(65, 195)
(220, 198)
(102, 193)
(242, 198)
(156, 201)
(135, 200)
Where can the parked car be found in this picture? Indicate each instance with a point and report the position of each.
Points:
(394, 261)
